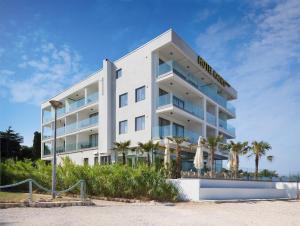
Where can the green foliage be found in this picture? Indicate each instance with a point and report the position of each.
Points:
(116, 180)
(268, 173)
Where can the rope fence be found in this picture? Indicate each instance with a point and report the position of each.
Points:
(31, 182)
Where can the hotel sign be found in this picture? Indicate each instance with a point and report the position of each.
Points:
(211, 71)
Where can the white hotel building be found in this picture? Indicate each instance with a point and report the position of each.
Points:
(160, 89)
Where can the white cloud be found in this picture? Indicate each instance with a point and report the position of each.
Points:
(265, 71)
(42, 74)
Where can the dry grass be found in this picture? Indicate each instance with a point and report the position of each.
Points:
(12, 197)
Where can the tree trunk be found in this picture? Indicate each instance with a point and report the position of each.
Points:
(212, 165)
(236, 168)
(256, 166)
(124, 158)
(178, 161)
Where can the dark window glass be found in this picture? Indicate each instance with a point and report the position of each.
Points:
(178, 130)
(119, 73)
(140, 94)
(96, 160)
(140, 123)
(123, 100)
(178, 102)
(164, 127)
(123, 127)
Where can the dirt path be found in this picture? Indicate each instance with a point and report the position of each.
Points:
(114, 213)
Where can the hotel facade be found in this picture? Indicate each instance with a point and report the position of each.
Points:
(161, 89)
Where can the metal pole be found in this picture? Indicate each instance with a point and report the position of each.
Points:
(81, 190)
(0, 160)
(30, 191)
(54, 158)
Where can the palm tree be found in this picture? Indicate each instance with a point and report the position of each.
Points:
(259, 149)
(235, 150)
(212, 143)
(122, 147)
(178, 141)
(148, 147)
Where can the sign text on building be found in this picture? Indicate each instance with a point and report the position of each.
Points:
(212, 72)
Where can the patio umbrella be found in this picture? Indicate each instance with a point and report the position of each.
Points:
(167, 157)
(198, 160)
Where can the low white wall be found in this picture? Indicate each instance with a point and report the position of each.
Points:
(210, 189)
(188, 189)
(211, 183)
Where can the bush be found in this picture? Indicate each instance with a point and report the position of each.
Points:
(116, 180)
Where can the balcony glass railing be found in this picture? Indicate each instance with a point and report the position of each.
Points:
(76, 104)
(47, 151)
(72, 127)
(88, 122)
(91, 98)
(45, 137)
(60, 131)
(86, 144)
(185, 105)
(71, 147)
(211, 119)
(173, 66)
(160, 132)
(227, 127)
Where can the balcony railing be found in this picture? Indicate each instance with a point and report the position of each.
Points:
(160, 132)
(173, 66)
(227, 127)
(86, 144)
(71, 147)
(185, 105)
(73, 127)
(92, 98)
(211, 119)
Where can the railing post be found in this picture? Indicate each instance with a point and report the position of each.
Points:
(30, 190)
(82, 190)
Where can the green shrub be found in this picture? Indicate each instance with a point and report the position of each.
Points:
(116, 180)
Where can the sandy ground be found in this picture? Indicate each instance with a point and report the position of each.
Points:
(113, 213)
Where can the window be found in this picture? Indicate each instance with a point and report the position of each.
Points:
(164, 128)
(96, 162)
(123, 100)
(123, 127)
(86, 161)
(140, 94)
(93, 140)
(178, 130)
(178, 102)
(140, 123)
(119, 73)
(105, 159)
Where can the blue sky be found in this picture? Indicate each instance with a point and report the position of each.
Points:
(45, 46)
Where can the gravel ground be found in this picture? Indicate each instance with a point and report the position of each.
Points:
(113, 213)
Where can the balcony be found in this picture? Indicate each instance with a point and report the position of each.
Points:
(73, 127)
(160, 132)
(227, 128)
(184, 105)
(75, 105)
(71, 147)
(211, 119)
(173, 66)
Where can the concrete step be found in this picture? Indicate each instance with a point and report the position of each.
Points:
(243, 193)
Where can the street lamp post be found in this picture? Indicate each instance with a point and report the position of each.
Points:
(55, 104)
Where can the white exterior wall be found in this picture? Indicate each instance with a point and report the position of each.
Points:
(139, 68)
(210, 189)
